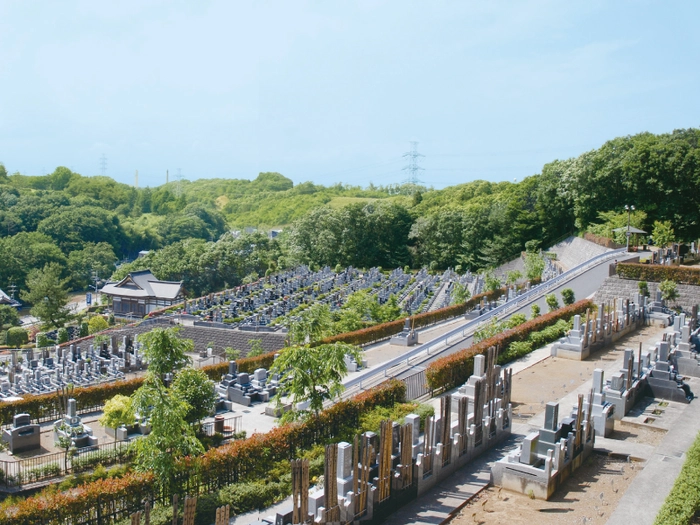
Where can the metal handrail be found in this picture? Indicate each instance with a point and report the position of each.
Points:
(462, 330)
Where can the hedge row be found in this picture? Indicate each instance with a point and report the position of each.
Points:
(89, 503)
(43, 406)
(658, 273)
(240, 461)
(455, 369)
(385, 330)
(683, 502)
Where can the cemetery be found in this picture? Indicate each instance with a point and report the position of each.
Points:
(269, 304)
(369, 476)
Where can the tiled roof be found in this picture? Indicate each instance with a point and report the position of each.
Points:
(143, 284)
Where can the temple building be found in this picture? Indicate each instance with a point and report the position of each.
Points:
(140, 293)
(9, 301)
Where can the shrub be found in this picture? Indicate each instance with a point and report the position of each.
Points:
(97, 324)
(567, 296)
(16, 337)
(683, 501)
(552, 302)
(657, 273)
(248, 496)
(643, 288)
(515, 350)
(371, 420)
(669, 290)
(42, 341)
(62, 335)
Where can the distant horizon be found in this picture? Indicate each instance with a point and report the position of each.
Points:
(333, 93)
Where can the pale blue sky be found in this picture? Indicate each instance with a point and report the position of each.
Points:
(334, 91)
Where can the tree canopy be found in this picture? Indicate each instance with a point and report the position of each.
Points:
(197, 229)
(314, 374)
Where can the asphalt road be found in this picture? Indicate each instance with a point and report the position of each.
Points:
(584, 285)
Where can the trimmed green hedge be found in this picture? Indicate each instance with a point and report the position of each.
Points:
(658, 273)
(454, 370)
(683, 502)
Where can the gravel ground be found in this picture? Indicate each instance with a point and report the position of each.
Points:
(588, 497)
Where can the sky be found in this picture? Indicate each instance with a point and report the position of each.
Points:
(336, 91)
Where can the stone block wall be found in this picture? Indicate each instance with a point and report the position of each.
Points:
(202, 336)
(613, 287)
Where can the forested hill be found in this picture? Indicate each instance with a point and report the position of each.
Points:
(85, 223)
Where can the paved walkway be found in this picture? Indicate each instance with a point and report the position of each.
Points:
(643, 499)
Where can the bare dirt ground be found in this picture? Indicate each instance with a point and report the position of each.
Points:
(553, 378)
(589, 496)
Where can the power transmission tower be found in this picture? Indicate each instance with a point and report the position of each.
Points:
(103, 164)
(178, 184)
(413, 168)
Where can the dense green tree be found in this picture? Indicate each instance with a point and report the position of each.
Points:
(460, 294)
(117, 411)
(60, 178)
(8, 317)
(97, 324)
(663, 233)
(311, 325)
(513, 277)
(534, 265)
(197, 390)
(165, 351)
(314, 374)
(93, 258)
(47, 292)
(73, 228)
(171, 437)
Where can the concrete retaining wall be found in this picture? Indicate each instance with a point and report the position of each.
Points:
(614, 287)
(573, 251)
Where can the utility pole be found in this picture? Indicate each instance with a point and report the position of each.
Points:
(629, 209)
(413, 168)
(13, 289)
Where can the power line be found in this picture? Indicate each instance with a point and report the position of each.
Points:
(413, 168)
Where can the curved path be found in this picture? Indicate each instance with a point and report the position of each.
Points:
(584, 279)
